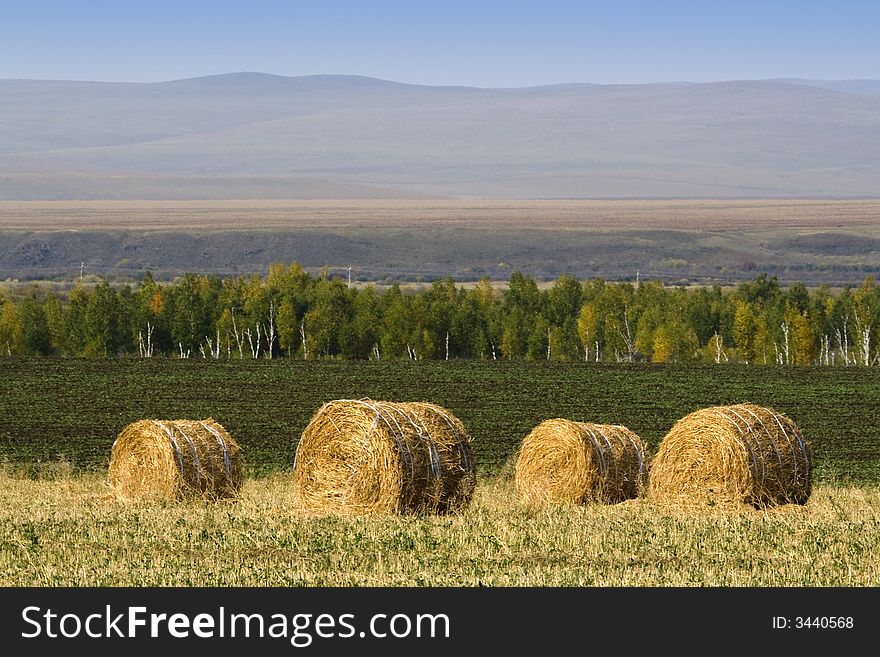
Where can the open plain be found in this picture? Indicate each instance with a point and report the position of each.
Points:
(688, 241)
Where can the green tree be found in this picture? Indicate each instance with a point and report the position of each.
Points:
(420, 341)
(618, 326)
(522, 293)
(564, 300)
(395, 328)
(538, 340)
(361, 339)
(704, 309)
(442, 301)
(490, 318)
(558, 345)
(327, 318)
(469, 333)
(34, 338)
(514, 337)
(184, 312)
(102, 319)
(54, 310)
(798, 297)
(683, 340)
(761, 292)
(76, 330)
(651, 320)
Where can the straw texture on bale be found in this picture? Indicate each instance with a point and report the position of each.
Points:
(741, 454)
(563, 461)
(359, 457)
(175, 460)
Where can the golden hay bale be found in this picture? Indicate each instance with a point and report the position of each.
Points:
(742, 454)
(564, 461)
(175, 459)
(362, 456)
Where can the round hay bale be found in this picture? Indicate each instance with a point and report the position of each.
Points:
(741, 454)
(563, 461)
(175, 460)
(360, 457)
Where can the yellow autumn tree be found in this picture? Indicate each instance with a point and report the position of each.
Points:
(803, 338)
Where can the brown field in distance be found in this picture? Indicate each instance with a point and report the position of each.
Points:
(687, 214)
(682, 242)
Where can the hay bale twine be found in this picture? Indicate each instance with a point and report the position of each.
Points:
(563, 461)
(359, 457)
(743, 454)
(175, 460)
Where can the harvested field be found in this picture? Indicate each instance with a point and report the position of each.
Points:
(69, 531)
(553, 215)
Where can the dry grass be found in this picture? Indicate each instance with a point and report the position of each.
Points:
(71, 531)
(555, 215)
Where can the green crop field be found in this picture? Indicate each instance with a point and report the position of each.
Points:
(60, 525)
(71, 410)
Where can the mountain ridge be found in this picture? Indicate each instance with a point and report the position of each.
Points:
(248, 76)
(781, 137)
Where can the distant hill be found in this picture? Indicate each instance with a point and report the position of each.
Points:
(868, 87)
(253, 135)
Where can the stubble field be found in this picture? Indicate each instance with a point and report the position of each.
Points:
(68, 531)
(59, 524)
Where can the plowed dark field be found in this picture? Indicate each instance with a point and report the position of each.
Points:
(72, 410)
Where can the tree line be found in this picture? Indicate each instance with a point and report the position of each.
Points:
(291, 313)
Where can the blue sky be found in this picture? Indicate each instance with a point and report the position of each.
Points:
(486, 44)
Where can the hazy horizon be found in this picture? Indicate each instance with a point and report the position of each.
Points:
(268, 74)
(259, 136)
(487, 44)
(561, 99)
